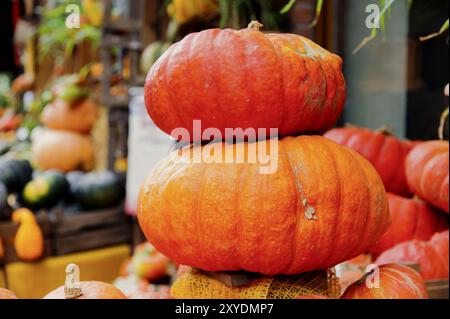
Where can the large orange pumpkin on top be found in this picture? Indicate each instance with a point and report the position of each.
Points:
(245, 79)
(410, 219)
(386, 153)
(60, 115)
(427, 172)
(395, 282)
(322, 205)
(432, 255)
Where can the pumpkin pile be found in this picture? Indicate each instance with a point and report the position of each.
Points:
(65, 143)
(415, 173)
(320, 205)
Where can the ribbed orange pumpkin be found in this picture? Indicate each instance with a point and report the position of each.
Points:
(432, 256)
(396, 282)
(90, 290)
(246, 79)
(386, 153)
(427, 172)
(411, 219)
(63, 150)
(60, 115)
(324, 204)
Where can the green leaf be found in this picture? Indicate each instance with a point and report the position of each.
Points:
(436, 34)
(288, 7)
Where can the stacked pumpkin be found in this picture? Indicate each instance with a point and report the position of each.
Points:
(65, 144)
(417, 176)
(321, 205)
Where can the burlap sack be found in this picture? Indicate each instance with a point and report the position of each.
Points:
(197, 285)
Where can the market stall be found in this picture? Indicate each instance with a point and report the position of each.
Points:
(202, 149)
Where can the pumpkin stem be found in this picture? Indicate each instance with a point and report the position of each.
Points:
(255, 25)
(444, 118)
(385, 130)
(72, 287)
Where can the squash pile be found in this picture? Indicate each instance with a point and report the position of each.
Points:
(65, 143)
(320, 203)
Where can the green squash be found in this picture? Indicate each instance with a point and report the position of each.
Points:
(4, 208)
(151, 54)
(97, 190)
(45, 190)
(15, 174)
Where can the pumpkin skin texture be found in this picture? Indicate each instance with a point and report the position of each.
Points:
(432, 256)
(303, 217)
(427, 173)
(245, 79)
(90, 290)
(63, 150)
(396, 282)
(385, 152)
(6, 294)
(410, 219)
(61, 115)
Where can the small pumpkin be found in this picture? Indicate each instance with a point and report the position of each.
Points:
(60, 115)
(76, 289)
(427, 168)
(62, 150)
(151, 54)
(396, 282)
(245, 79)
(148, 263)
(432, 255)
(45, 190)
(410, 219)
(97, 190)
(320, 193)
(383, 150)
(6, 294)
(29, 240)
(183, 11)
(14, 174)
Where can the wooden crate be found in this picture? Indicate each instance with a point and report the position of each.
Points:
(8, 231)
(75, 232)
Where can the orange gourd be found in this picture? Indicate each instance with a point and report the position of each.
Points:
(29, 240)
(427, 173)
(63, 150)
(383, 150)
(432, 256)
(410, 219)
(395, 282)
(245, 79)
(90, 290)
(323, 205)
(60, 115)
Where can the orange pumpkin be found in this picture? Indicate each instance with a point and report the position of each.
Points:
(61, 115)
(90, 290)
(411, 219)
(395, 282)
(386, 153)
(7, 294)
(63, 150)
(432, 256)
(148, 263)
(324, 204)
(427, 172)
(246, 79)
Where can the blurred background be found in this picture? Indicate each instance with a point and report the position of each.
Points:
(395, 78)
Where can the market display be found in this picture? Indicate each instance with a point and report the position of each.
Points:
(205, 149)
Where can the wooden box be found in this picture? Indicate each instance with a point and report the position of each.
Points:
(75, 232)
(8, 231)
